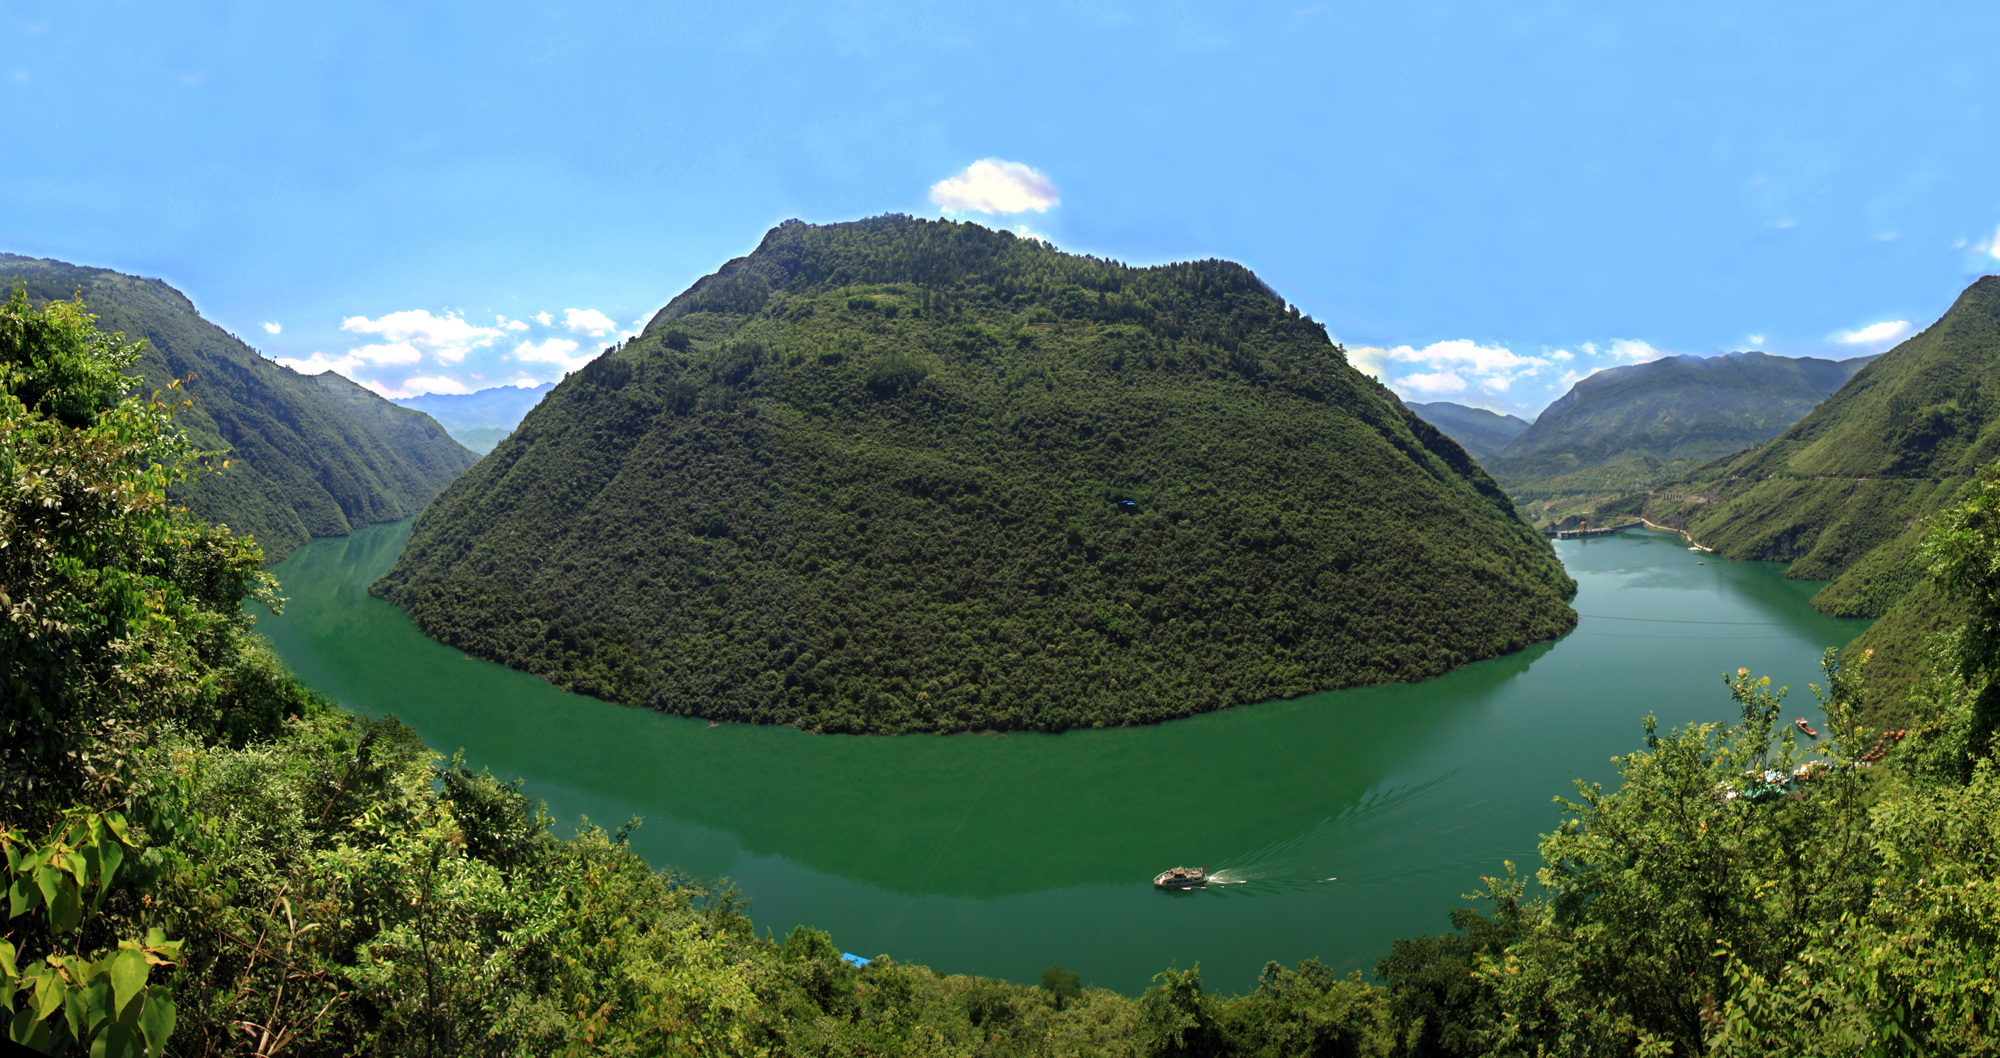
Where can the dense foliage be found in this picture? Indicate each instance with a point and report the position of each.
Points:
(211, 860)
(1671, 409)
(905, 475)
(309, 456)
(1480, 432)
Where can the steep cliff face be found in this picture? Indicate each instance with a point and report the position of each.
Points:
(309, 456)
(906, 475)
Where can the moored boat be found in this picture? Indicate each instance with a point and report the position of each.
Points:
(1182, 878)
(1805, 727)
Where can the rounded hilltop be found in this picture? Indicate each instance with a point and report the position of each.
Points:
(913, 475)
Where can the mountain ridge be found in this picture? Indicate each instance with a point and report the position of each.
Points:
(309, 456)
(1482, 433)
(1672, 409)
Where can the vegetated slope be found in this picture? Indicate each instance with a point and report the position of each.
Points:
(902, 475)
(309, 456)
(1674, 408)
(1843, 494)
(1480, 432)
(479, 420)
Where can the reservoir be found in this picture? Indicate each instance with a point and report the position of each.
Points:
(1340, 820)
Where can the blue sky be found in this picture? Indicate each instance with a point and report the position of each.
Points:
(1481, 201)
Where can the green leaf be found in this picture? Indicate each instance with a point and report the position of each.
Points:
(7, 959)
(118, 1041)
(77, 864)
(30, 1031)
(48, 992)
(110, 854)
(21, 896)
(7, 990)
(116, 822)
(66, 907)
(128, 972)
(157, 1019)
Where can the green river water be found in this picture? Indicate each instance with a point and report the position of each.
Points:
(1341, 820)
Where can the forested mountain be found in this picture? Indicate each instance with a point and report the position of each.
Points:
(479, 420)
(1674, 408)
(905, 475)
(1845, 494)
(203, 854)
(308, 456)
(1480, 432)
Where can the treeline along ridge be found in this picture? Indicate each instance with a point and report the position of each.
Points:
(909, 475)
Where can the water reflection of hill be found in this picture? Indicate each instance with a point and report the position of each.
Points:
(966, 815)
(1001, 855)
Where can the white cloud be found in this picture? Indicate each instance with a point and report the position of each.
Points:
(1756, 339)
(1367, 359)
(1996, 243)
(543, 318)
(588, 321)
(1479, 359)
(994, 186)
(1441, 382)
(447, 338)
(320, 363)
(1562, 354)
(1570, 378)
(1589, 348)
(506, 324)
(1875, 335)
(389, 353)
(1634, 350)
(1450, 366)
(553, 351)
(272, 328)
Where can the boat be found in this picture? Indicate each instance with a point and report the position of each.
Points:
(1805, 727)
(1182, 878)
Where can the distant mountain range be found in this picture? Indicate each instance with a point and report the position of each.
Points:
(1672, 409)
(1480, 432)
(482, 419)
(311, 455)
(917, 475)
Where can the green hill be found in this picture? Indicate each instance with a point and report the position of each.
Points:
(479, 420)
(1671, 409)
(1480, 432)
(1844, 494)
(903, 475)
(309, 455)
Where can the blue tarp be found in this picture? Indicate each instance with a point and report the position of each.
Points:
(852, 959)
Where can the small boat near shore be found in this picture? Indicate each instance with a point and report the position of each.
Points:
(1805, 727)
(1182, 878)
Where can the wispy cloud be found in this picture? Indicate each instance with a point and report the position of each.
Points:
(588, 321)
(558, 351)
(1875, 335)
(447, 338)
(320, 363)
(272, 328)
(1634, 350)
(994, 186)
